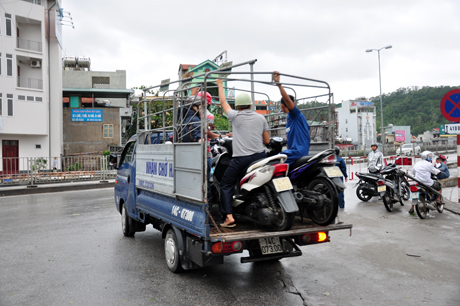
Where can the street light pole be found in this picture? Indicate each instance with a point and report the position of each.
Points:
(381, 104)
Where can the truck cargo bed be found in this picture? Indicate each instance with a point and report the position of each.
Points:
(248, 231)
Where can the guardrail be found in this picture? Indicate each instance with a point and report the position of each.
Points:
(32, 170)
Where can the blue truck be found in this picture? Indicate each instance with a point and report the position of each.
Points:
(162, 181)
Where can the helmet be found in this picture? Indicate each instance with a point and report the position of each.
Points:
(426, 155)
(208, 97)
(443, 158)
(243, 99)
(337, 150)
(374, 144)
(196, 100)
(209, 118)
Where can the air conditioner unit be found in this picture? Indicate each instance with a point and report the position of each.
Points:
(35, 63)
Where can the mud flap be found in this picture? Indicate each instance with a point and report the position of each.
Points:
(338, 184)
(287, 201)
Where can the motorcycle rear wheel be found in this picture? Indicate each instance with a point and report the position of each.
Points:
(421, 208)
(283, 220)
(388, 199)
(361, 195)
(327, 214)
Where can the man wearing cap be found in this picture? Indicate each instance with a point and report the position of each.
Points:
(297, 128)
(250, 133)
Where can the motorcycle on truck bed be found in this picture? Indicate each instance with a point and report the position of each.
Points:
(162, 181)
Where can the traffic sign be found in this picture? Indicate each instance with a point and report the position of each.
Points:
(450, 105)
(453, 128)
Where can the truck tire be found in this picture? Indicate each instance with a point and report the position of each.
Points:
(126, 222)
(172, 252)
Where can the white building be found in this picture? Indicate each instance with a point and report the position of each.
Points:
(30, 82)
(357, 120)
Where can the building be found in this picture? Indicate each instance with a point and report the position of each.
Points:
(95, 107)
(357, 120)
(30, 82)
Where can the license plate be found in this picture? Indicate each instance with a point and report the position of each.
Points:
(382, 188)
(270, 245)
(414, 195)
(333, 171)
(282, 184)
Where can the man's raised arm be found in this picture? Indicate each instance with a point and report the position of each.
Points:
(223, 101)
(287, 100)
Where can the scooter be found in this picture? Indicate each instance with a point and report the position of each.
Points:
(370, 185)
(397, 187)
(263, 193)
(316, 181)
(424, 198)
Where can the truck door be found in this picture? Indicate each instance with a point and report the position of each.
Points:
(126, 179)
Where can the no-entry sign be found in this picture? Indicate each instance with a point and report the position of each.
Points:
(450, 105)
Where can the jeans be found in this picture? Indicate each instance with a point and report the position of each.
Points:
(341, 197)
(231, 176)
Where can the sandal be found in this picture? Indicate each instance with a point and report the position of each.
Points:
(227, 225)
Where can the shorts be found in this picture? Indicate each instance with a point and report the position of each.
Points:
(436, 186)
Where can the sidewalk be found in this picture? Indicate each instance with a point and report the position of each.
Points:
(56, 187)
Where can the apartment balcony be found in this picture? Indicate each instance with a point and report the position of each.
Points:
(30, 45)
(30, 83)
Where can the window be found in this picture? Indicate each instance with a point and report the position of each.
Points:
(9, 65)
(9, 104)
(38, 99)
(30, 98)
(128, 153)
(0, 62)
(21, 97)
(108, 131)
(74, 101)
(1, 104)
(8, 24)
(37, 146)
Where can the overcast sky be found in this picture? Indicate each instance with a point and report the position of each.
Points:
(323, 40)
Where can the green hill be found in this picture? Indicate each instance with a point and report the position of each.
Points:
(417, 107)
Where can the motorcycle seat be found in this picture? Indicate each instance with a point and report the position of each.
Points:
(299, 162)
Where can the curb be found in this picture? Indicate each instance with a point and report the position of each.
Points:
(48, 189)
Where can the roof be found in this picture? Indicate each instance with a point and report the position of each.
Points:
(186, 66)
(98, 90)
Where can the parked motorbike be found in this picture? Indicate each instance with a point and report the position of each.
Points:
(316, 181)
(424, 198)
(370, 185)
(397, 187)
(263, 193)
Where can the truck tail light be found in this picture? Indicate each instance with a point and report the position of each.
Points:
(226, 247)
(315, 238)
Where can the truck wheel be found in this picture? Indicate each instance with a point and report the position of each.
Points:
(126, 223)
(172, 252)
(325, 215)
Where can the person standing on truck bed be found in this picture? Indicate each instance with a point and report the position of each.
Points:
(250, 133)
(297, 128)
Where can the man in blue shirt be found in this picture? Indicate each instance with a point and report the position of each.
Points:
(343, 167)
(297, 128)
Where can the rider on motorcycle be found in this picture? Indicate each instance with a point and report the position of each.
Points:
(423, 171)
(297, 128)
(374, 159)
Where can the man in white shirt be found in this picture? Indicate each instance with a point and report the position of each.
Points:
(423, 170)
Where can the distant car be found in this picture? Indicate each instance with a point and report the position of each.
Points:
(408, 149)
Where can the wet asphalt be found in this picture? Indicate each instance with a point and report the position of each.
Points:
(67, 248)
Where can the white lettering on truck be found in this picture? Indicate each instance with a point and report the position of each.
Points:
(185, 214)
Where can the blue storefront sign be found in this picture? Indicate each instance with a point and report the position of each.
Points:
(86, 115)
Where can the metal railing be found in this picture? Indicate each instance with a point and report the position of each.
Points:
(29, 44)
(30, 83)
(32, 170)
